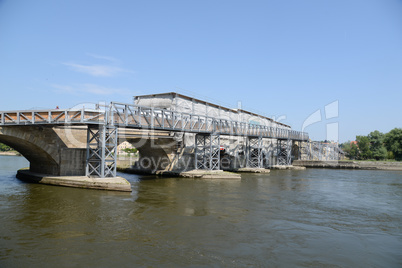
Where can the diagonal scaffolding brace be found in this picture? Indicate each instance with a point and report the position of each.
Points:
(254, 152)
(269, 154)
(207, 151)
(284, 152)
(101, 151)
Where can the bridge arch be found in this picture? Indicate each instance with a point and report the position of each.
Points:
(156, 154)
(44, 149)
(40, 161)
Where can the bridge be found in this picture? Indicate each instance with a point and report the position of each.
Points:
(78, 142)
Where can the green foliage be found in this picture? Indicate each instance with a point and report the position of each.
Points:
(5, 148)
(354, 151)
(350, 149)
(345, 146)
(130, 150)
(393, 142)
(379, 152)
(376, 146)
(363, 143)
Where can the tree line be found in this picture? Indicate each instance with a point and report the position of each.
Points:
(5, 148)
(376, 146)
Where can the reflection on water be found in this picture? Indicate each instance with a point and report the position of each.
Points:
(311, 218)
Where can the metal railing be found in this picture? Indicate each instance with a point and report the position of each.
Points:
(35, 117)
(134, 116)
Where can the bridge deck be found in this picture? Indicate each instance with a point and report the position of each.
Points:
(139, 117)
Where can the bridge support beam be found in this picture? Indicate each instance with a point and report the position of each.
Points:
(254, 152)
(284, 152)
(101, 151)
(207, 151)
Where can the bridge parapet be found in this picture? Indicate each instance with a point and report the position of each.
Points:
(54, 117)
(134, 116)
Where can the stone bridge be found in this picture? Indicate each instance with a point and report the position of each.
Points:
(62, 150)
(49, 149)
(83, 142)
(172, 132)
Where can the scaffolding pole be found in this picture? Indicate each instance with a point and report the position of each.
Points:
(284, 152)
(207, 151)
(269, 154)
(101, 151)
(254, 152)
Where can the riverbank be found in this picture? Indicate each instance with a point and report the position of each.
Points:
(368, 165)
(10, 153)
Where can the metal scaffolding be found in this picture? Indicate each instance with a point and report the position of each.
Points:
(207, 151)
(101, 151)
(269, 152)
(139, 117)
(284, 152)
(103, 121)
(134, 116)
(254, 152)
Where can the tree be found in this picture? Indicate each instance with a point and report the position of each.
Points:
(393, 142)
(379, 152)
(345, 146)
(5, 148)
(354, 151)
(350, 149)
(363, 142)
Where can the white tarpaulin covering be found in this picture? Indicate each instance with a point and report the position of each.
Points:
(185, 104)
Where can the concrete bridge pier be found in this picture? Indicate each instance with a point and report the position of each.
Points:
(254, 156)
(296, 152)
(57, 155)
(158, 154)
(180, 154)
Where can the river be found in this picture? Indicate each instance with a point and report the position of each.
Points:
(308, 218)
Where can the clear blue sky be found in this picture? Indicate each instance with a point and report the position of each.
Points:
(281, 58)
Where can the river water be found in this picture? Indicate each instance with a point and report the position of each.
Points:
(310, 218)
